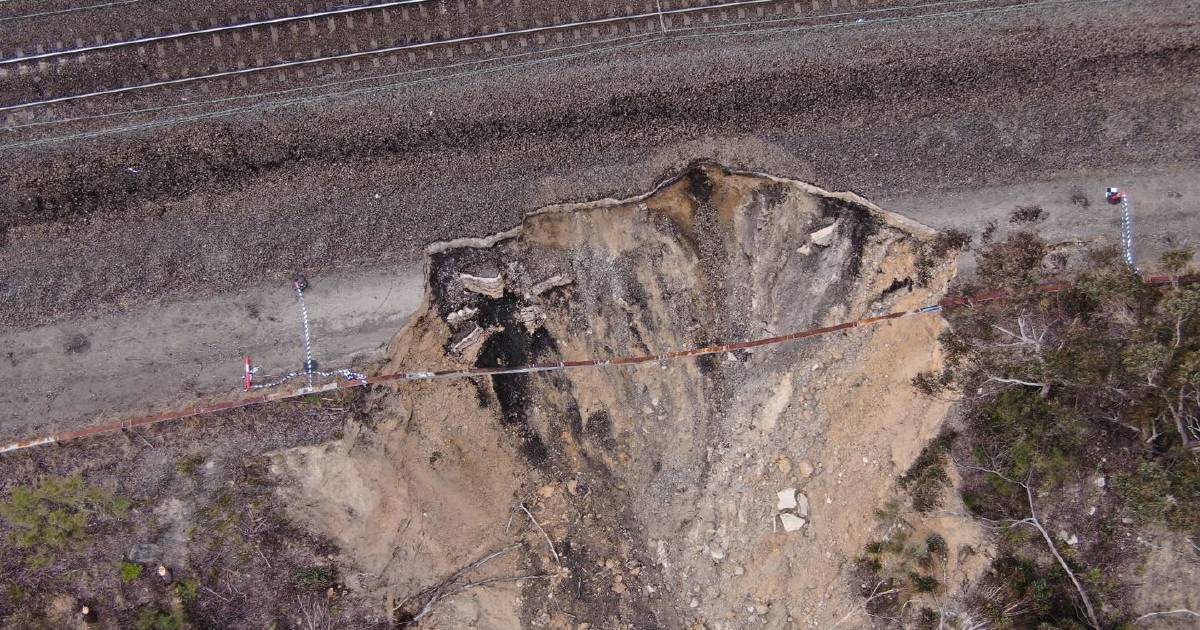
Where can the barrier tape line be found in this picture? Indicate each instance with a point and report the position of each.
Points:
(310, 367)
(1127, 234)
(188, 412)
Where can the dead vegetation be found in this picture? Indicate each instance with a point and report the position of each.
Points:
(170, 527)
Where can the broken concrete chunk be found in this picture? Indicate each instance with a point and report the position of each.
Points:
(1070, 539)
(824, 236)
(492, 287)
(802, 505)
(553, 282)
(787, 499)
(461, 315)
(473, 338)
(531, 317)
(791, 522)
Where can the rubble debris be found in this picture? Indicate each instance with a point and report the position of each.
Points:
(824, 236)
(553, 282)
(469, 342)
(802, 504)
(464, 314)
(531, 317)
(492, 287)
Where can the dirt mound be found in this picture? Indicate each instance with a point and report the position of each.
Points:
(706, 491)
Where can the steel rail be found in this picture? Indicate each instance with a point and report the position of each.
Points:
(83, 50)
(90, 7)
(483, 37)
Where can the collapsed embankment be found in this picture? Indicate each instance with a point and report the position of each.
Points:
(716, 491)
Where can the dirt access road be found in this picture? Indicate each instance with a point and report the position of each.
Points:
(950, 113)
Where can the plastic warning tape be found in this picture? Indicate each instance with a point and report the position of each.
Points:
(113, 426)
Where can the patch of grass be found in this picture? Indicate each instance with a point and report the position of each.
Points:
(315, 577)
(14, 594)
(1147, 492)
(151, 618)
(903, 562)
(129, 571)
(54, 514)
(1166, 491)
(189, 464)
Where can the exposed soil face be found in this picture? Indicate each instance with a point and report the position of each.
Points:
(657, 485)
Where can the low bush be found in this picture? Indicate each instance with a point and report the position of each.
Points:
(129, 571)
(55, 514)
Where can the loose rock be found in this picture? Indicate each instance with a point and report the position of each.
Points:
(804, 468)
(787, 499)
(791, 522)
(824, 236)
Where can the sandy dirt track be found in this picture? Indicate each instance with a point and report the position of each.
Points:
(951, 120)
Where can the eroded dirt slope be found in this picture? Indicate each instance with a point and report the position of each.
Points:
(727, 491)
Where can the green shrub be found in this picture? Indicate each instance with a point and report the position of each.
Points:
(936, 544)
(927, 479)
(922, 583)
(129, 571)
(188, 590)
(55, 514)
(974, 502)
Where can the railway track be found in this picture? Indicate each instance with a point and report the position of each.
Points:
(67, 84)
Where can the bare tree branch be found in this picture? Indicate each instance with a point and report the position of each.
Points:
(433, 592)
(1015, 381)
(428, 608)
(1033, 521)
(875, 593)
(544, 534)
(1167, 613)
